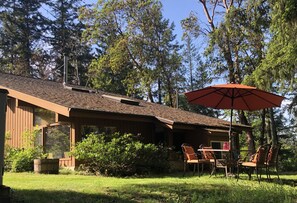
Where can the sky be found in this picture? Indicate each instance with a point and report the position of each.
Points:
(177, 10)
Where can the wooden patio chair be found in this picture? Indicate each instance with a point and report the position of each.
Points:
(272, 160)
(208, 154)
(257, 163)
(190, 157)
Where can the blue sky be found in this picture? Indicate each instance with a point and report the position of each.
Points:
(177, 10)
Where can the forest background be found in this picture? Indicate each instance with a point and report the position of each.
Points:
(128, 47)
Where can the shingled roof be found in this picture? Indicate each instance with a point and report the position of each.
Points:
(52, 95)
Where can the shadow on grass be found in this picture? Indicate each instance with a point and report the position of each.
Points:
(207, 192)
(202, 190)
(162, 192)
(45, 196)
(282, 181)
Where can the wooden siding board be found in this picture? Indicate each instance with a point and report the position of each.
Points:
(18, 120)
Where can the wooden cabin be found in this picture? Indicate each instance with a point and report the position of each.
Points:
(63, 115)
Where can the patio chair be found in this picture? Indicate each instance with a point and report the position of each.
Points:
(208, 154)
(257, 163)
(190, 157)
(272, 159)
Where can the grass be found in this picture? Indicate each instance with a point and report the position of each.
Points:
(29, 187)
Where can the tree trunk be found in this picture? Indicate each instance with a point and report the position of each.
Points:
(249, 134)
(159, 91)
(269, 136)
(150, 95)
(262, 135)
(273, 127)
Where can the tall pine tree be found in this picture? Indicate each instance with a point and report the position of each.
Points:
(22, 28)
(65, 39)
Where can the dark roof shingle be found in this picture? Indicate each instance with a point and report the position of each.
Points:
(56, 93)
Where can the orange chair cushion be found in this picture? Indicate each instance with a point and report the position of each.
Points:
(249, 164)
(191, 155)
(254, 160)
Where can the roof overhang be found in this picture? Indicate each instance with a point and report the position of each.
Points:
(65, 111)
(83, 113)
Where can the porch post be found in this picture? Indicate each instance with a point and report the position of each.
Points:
(4, 190)
(3, 96)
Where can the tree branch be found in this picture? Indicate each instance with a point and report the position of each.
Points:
(209, 19)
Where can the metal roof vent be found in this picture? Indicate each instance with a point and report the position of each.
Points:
(79, 89)
(121, 100)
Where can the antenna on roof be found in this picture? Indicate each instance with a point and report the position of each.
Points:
(65, 76)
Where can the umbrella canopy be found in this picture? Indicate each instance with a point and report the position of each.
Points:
(234, 96)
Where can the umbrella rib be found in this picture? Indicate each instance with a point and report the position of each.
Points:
(205, 95)
(233, 94)
(223, 95)
(264, 97)
(242, 97)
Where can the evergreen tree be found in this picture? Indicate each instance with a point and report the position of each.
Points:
(22, 28)
(136, 48)
(65, 39)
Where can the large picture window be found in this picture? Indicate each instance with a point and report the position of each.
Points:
(219, 145)
(43, 116)
(57, 141)
(88, 129)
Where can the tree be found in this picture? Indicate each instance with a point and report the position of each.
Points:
(236, 32)
(198, 74)
(191, 56)
(135, 47)
(22, 27)
(65, 39)
(277, 71)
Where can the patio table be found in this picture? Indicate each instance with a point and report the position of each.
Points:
(229, 162)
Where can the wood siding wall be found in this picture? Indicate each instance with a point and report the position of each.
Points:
(144, 129)
(18, 120)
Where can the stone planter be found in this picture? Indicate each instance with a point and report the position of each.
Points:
(48, 166)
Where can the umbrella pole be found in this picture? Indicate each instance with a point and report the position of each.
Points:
(230, 131)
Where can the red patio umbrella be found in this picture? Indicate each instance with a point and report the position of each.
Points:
(234, 96)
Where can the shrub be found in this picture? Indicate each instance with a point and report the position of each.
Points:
(288, 159)
(119, 155)
(23, 160)
(20, 160)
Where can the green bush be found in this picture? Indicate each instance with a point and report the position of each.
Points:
(288, 159)
(9, 154)
(21, 159)
(119, 155)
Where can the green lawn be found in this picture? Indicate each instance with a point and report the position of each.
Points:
(29, 187)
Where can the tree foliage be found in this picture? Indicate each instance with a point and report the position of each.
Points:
(21, 30)
(36, 34)
(136, 49)
(65, 39)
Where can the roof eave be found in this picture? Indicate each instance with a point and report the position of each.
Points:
(65, 111)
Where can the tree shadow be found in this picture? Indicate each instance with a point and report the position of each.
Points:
(45, 196)
(181, 191)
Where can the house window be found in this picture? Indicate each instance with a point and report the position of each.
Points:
(88, 129)
(43, 116)
(108, 129)
(57, 141)
(218, 145)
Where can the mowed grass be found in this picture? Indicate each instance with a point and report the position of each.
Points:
(30, 187)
